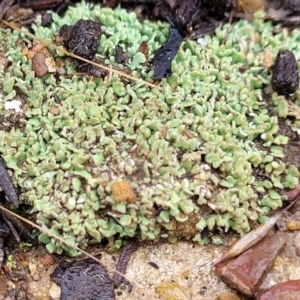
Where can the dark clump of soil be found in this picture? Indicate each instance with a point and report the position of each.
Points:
(285, 78)
(84, 279)
(291, 149)
(82, 39)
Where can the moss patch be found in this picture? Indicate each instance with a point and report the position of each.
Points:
(190, 151)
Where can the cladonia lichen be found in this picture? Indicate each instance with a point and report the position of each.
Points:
(190, 150)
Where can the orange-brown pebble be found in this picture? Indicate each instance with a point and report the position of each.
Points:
(123, 191)
(25, 51)
(293, 225)
(6, 269)
(25, 263)
(38, 47)
(54, 111)
(38, 64)
(250, 6)
(47, 260)
(20, 256)
(292, 194)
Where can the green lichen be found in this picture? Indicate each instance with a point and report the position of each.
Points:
(196, 143)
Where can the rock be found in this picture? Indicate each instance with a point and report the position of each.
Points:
(54, 291)
(289, 290)
(39, 64)
(293, 194)
(246, 272)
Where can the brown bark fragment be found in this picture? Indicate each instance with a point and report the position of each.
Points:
(293, 194)
(4, 6)
(246, 272)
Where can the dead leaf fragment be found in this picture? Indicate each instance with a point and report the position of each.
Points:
(268, 59)
(32, 268)
(50, 63)
(172, 291)
(144, 49)
(3, 60)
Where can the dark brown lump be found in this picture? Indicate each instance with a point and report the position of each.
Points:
(83, 280)
(38, 64)
(293, 5)
(7, 186)
(82, 39)
(285, 77)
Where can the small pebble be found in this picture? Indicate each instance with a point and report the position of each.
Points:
(38, 64)
(293, 194)
(54, 111)
(13, 105)
(36, 276)
(54, 291)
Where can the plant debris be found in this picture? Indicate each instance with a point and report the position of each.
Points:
(285, 78)
(4, 6)
(4, 232)
(123, 262)
(83, 280)
(7, 186)
(163, 57)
